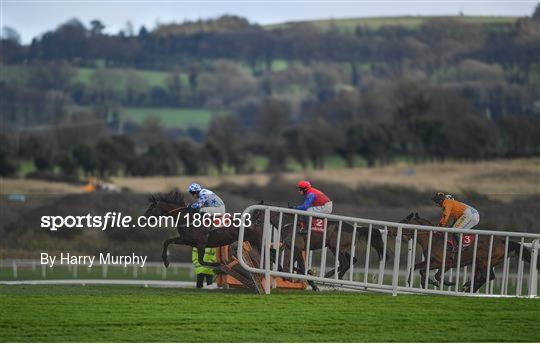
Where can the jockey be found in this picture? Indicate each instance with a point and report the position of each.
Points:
(207, 201)
(315, 201)
(464, 216)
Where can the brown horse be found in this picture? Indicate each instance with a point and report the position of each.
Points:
(173, 204)
(317, 237)
(467, 255)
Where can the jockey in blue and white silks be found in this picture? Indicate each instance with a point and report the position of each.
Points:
(207, 201)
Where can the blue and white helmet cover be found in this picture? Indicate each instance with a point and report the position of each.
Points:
(194, 187)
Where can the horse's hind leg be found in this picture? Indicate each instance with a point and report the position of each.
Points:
(342, 268)
(166, 244)
(492, 274)
(378, 244)
(480, 279)
(423, 281)
(344, 262)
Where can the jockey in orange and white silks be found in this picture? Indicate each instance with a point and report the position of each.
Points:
(315, 201)
(207, 201)
(465, 216)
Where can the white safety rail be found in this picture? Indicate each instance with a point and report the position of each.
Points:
(16, 269)
(504, 252)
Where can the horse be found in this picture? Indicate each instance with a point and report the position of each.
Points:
(316, 240)
(173, 204)
(437, 254)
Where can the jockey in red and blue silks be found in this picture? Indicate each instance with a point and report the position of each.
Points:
(315, 200)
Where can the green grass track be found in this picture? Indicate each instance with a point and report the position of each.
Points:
(117, 313)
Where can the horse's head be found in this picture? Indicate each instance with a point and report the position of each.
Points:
(165, 204)
(411, 219)
(257, 219)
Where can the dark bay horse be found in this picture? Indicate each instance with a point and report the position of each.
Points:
(316, 240)
(437, 253)
(173, 204)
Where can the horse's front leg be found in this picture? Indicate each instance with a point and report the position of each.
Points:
(166, 244)
(437, 282)
(301, 268)
(422, 267)
(333, 271)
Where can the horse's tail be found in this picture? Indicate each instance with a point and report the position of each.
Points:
(514, 246)
(376, 241)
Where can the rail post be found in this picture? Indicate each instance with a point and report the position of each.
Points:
(353, 250)
(504, 283)
(267, 241)
(397, 254)
(533, 275)
(409, 260)
(368, 248)
(14, 265)
(382, 263)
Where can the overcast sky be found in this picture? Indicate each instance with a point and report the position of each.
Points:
(34, 17)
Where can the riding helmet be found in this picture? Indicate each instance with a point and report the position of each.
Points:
(439, 197)
(194, 188)
(303, 184)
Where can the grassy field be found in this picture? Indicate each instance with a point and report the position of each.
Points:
(153, 78)
(115, 313)
(409, 22)
(170, 117)
(498, 179)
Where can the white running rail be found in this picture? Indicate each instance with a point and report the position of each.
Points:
(406, 253)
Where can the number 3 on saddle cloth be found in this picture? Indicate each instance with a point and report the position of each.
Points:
(317, 224)
(466, 241)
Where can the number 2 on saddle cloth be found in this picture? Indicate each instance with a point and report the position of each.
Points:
(317, 224)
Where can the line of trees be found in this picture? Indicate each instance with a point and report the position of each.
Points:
(450, 89)
(436, 42)
(426, 123)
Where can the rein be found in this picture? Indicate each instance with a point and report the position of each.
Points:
(179, 208)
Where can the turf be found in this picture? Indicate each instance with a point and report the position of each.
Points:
(116, 313)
